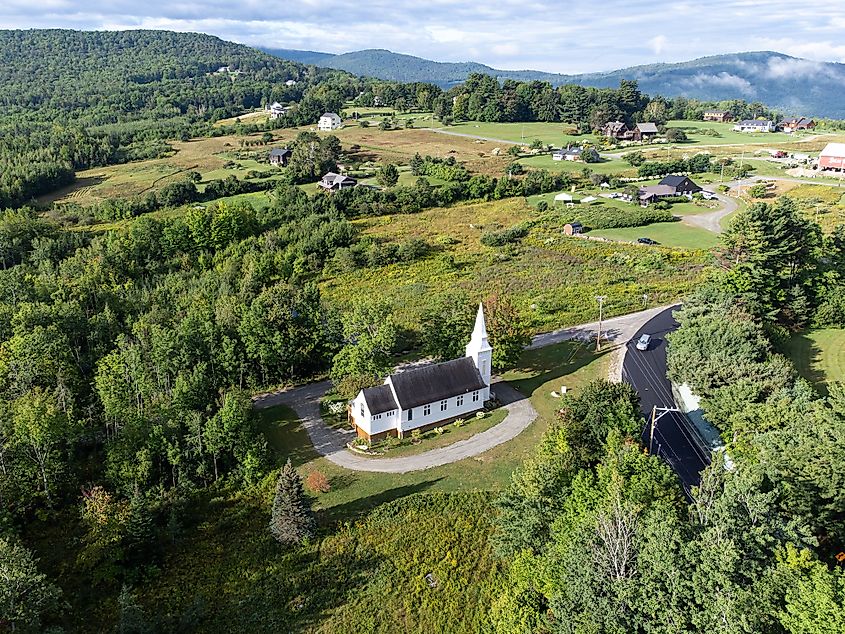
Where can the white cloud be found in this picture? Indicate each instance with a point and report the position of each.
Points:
(658, 44)
(723, 80)
(541, 34)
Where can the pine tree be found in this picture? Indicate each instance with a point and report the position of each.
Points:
(132, 618)
(140, 532)
(291, 520)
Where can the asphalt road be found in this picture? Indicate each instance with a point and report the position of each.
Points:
(674, 438)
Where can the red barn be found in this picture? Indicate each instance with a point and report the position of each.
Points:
(833, 157)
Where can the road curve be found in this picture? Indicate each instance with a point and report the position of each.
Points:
(713, 221)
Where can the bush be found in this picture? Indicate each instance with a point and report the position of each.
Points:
(506, 236)
(317, 482)
(542, 206)
(605, 217)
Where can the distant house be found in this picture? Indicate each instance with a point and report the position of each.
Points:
(568, 154)
(290, 82)
(644, 131)
(754, 125)
(332, 182)
(793, 125)
(277, 110)
(616, 130)
(329, 121)
(682, 185)
(573, 228)
(720, 116)
(563, 197)
(832, 157)
(669, 187)
(280, 156)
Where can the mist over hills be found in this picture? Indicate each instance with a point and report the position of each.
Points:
(794, 85)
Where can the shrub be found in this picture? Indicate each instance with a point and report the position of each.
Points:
(459, 422)
(317, 482)
(605, 217)
(439, 431)
(506, 236)
(542, 206)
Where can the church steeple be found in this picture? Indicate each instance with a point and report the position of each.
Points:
(479, 347)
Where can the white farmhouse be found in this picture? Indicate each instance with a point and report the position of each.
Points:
(428, 396)
(277, 110)
(329, 121)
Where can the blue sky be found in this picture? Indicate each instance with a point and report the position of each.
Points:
(569, 36)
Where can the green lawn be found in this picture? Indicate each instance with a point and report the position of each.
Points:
(549, 133)
(726, 134)
(819, 355)
(669, 234)
(617, 167)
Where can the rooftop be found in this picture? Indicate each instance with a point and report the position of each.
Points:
(432, 383)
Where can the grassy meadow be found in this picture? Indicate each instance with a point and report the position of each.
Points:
(819, 355)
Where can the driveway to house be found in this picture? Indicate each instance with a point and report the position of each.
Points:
(713, 221)
(331, 443)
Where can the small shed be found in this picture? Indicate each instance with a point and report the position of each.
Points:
(563, 197)
(573, 228)
(589, 199)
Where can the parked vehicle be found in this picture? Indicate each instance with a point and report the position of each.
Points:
(643, 342)
(646, 241)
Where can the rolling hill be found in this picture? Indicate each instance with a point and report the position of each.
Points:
(791, 84)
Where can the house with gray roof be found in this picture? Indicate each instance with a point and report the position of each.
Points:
(754, 125)
(427, 396)
(333, 182)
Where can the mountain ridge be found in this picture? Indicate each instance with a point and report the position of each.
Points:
(793, 85)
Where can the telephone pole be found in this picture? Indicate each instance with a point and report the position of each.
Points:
(655, 416)
(600, 299)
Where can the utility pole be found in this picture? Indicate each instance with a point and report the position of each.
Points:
(653, 423)
(600, 299)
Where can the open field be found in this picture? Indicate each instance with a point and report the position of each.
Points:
(669, 234)
(819, 355)
(552, 278)
(727, 134)
(617, 167)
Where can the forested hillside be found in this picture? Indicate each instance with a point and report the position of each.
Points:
(73, 99)
(793, 85)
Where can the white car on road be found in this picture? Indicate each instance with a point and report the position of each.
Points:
(643, 342)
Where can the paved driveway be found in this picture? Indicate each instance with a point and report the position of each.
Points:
(331, 443)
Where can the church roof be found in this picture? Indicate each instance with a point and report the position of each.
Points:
(380, 399)
(436, 382)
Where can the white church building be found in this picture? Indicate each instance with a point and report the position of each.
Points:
(424, 397)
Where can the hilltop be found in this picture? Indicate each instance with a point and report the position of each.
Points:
(790, 84)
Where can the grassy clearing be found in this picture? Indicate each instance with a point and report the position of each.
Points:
(819, 356)
(549, 133)
(669, 234)
(551, 278)
(727, 134)
(617, 167)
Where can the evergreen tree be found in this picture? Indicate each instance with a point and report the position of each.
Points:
(132, 618)
(291, 520)
(140, 533)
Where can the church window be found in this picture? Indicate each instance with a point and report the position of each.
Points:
(459, 401)
(426, 410)
(443, 405)
(475, 396)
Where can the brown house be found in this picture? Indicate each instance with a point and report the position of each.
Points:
(718, 115)
(793, 125)
(616, 130)
(280, 156)
(644, 132)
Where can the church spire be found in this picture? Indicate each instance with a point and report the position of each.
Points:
(479, 347)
